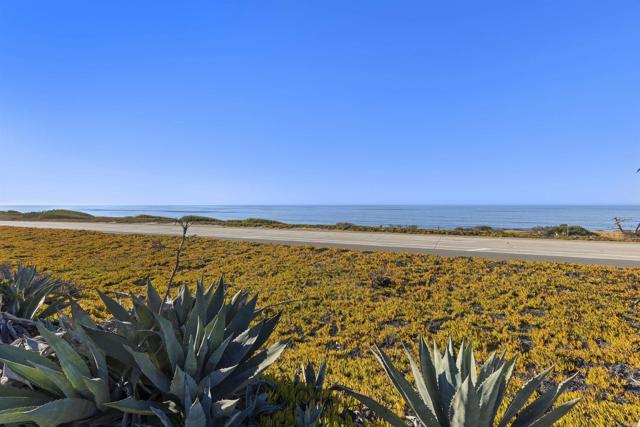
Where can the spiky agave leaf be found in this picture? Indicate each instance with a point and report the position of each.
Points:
(450, 391)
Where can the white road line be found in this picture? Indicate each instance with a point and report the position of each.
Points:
(479, 250)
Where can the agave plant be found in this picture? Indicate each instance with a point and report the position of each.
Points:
(72, 388)
(310, 415)
(24, 293)
(450, 391)
(24, 296)
(199, 352)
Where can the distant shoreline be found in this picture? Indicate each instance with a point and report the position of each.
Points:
(561, 231)
(433, 217)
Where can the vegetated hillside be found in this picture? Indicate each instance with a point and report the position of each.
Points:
(337, 303)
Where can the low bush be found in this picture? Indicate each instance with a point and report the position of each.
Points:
(563, 230)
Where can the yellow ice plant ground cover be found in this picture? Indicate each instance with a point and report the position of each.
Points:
(337, 303)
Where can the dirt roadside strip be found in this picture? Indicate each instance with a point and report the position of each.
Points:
(621, 254)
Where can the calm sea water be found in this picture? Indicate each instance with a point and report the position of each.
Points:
(437, 216)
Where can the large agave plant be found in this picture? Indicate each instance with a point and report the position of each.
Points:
(200, 352)
(450, 391)
(75, 387)
(192, 362)
(24, 296)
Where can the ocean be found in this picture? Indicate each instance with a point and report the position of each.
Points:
(428, 216)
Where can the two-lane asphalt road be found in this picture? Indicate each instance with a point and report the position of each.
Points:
(622, 254)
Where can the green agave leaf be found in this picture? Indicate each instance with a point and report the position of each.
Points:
(183, 304)
(132, 406)
(488, 392)
(506, 379)
(216, 377)
(203, 353)
(379, 410)
(164, 419)
(153, 298)
(267, 327)
(81, 317)
(22, 401)
(421, 386)
(146, 317)
(215, 358)
(97, 357)
(403, 386)
(465, 406)
(71, 362)
(215, 299)
(33, 303)
(51, 414)
(214, 331)
(113, 307)
(196, 315)
(447, 378)
(181, 382)
(54, 307)
(191, 362)
(112, 345)
(34, 376)
(196, 416)
(99, 390)
(15, 414)
(20, 355)
(487, 367)
(539, 406)
(10, 391)
(59, 379)
(172, 346)
(248, 370)
(199, 336)
(243, 318)
(430, 380)
(555, 414)
(522, 396)
(241, 346)
(147, 367)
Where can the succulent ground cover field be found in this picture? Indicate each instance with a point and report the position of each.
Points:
(337, 303)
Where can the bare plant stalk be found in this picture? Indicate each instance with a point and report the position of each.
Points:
(185, 224)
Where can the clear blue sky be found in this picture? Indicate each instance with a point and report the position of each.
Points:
(139, 102)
